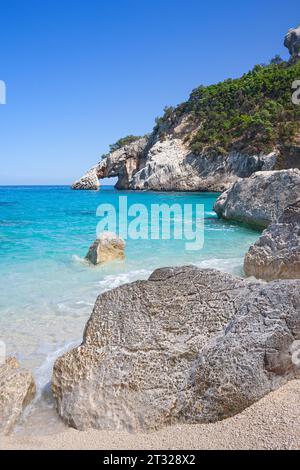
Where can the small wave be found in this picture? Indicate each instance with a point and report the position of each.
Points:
(112, 281)
(232, 265)
(44, 372)
(79, 260)
(85, 304)
(211, 213)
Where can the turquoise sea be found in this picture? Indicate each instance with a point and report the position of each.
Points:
(47, 291)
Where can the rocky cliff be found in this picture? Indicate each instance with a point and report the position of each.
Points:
(169, 165)
(222, 133)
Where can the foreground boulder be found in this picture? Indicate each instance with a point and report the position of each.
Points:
(17, 390)
(107, 247)
(149, 356)
(276, 255)
(257, 353)
(260, 199)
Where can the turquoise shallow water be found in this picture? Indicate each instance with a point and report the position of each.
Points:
(47, 291)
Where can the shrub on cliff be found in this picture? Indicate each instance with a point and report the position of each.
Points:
(253, 113)
(122, 142)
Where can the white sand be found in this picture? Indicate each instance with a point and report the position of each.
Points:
(272, 423)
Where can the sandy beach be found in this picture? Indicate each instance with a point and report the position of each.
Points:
(272, 423)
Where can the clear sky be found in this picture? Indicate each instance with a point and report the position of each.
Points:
(81, 74)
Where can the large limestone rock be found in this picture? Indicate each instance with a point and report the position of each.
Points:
(260, 199)
(123, 163)
(292, 42)
(89, 181)
(257, 353)
(276, 255)
(107, 247)
(17, 390)
(149, 356)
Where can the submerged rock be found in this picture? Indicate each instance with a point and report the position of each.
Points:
(276, 255)
(17, 390)
(106, 248)
(186, 346)
(260, 199)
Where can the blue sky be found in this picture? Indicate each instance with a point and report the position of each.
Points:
(81, 74)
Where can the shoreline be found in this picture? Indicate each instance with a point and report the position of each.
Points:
(272, 423)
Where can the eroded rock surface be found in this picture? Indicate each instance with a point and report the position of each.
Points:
(122, 163)
(260, 199)
(17, 390)
(170, 166)
(167, 164)
(255, 354)
(188, 345)
(89, 181)
(276, 255)
(107, 247)
(292, 42)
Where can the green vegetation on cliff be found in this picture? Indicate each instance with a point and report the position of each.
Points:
(254, 113)
(129, 139)
(122, 142)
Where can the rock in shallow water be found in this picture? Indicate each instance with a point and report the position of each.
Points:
(276, 255)
(260, 199)
(107, 247)
(17, 390)
(151, 354)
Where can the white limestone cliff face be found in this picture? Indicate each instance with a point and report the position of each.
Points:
(167, 164)
(170, 166)
(292, 42)
(89, 180)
